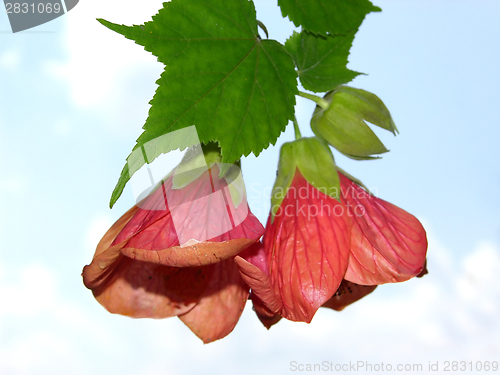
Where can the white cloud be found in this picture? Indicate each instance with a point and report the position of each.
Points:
(9, 60)
(428, 319)
(29, 292)
(106, 72)
(423, 319)
(100, 58)
(479, 284)
(40, 350)
(12, 186)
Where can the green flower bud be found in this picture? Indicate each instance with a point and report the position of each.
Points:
(314, 160)
(341, 122)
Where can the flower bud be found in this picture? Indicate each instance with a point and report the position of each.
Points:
(342, 122)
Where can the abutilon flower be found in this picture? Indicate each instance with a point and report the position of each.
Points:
(173, 255)
(346, 294)
(327, 233)
(307, 250)
(192, 247)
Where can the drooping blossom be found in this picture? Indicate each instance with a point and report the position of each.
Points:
(171, 256)
(306, 250)
(314, 242)
(346, 294)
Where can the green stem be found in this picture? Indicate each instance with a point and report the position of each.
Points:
(263, 27)
(316, 99)
(296, 128)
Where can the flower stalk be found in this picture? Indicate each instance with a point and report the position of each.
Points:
(318, 100)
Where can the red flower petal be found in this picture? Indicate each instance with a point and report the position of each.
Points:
(200, 254)
(387, 243)
(221, 304)
(152, 234)
(105, 255)
(254, 269)
(140, 289)
(307, 248)
(135, 270)
(348, 293)
(145, 290)
(260, 284)
(266, 316)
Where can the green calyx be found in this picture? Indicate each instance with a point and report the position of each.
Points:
(195, 162)
(314, 160)
(198, 159)
(354, 179)
(343, 122)
(236, 185)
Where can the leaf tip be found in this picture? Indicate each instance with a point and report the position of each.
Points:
(102, 21)
(114, 197)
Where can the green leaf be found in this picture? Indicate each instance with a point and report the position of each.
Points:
(321, 61)
(237, 89)
(336, 17)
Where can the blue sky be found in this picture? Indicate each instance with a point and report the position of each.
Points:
(73, 98)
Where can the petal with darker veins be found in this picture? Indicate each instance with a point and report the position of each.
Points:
(387, 243)
(307, 248)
